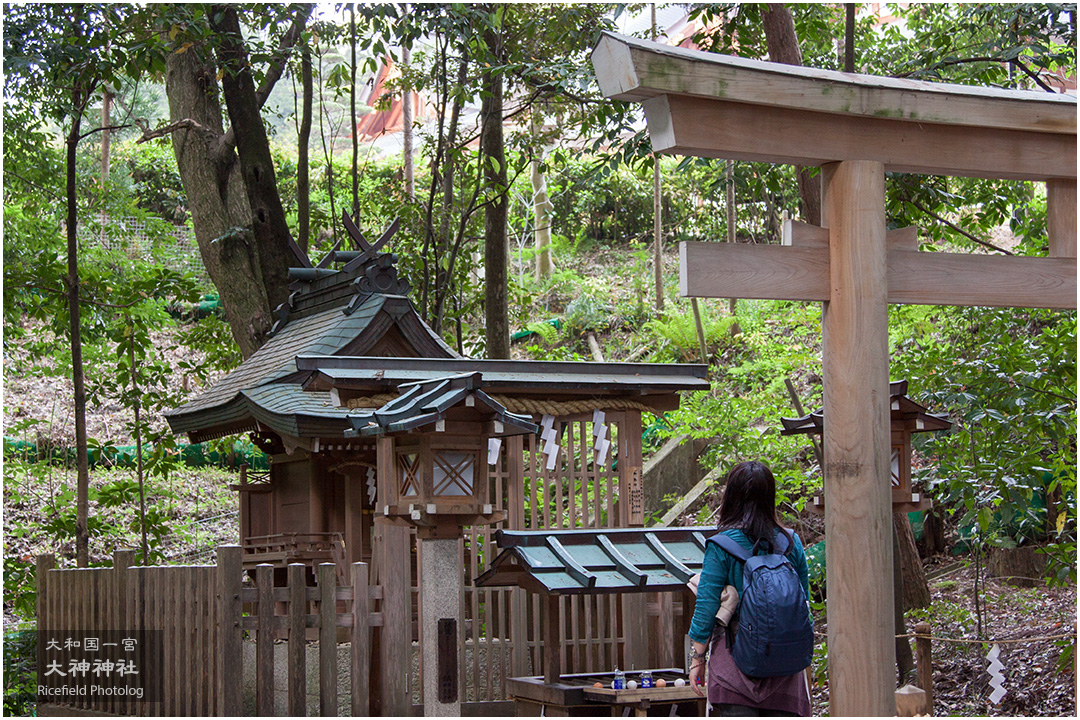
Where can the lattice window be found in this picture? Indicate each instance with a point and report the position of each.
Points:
(409, 474)
(454, 473)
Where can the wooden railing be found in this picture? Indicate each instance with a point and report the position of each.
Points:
(308, 549)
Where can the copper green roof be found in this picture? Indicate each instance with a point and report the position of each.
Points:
(579, 562)
(229, 405)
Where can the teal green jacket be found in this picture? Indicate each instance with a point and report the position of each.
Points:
(720, 569)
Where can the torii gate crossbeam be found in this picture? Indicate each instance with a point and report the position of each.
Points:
(856, 128)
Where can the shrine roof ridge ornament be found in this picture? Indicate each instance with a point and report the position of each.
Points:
(365, 271)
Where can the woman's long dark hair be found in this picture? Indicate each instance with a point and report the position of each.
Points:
(749, 502)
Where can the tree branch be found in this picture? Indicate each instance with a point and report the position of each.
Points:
(185, 124)
(33, 184)
(948, 63)
(110, 128)
(919, 206)
(277, 67)
(1033, 75)
(142, 123)
(1070, 400)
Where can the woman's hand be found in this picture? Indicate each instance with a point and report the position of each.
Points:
(697, 675)
(698, 666)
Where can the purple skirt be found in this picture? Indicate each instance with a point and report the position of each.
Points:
(728, 685)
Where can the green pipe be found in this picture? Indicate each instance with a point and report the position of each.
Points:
(194, 455)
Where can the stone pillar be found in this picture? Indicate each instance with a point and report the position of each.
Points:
(440, 625)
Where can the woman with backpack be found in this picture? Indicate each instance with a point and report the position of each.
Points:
(756, 666)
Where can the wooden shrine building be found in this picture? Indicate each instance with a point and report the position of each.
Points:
(382, 438)
(856, 128)
(906, 417)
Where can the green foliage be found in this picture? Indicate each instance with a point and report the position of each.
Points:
(742, 410)
(20, 673)
(20, 586)
(1007, 378)
(677, 337)
(155, 178)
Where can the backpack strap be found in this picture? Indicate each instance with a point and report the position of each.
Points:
(733, 548)
(737, 551)
(789, 536)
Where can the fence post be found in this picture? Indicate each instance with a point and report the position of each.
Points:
(328, 639)
(122, 560)
(264, 641)
(297, 662)
(924, 664)
(395, 645)
(230, 612)
(42, 565)
(360, 642)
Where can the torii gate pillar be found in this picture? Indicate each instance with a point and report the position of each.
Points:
(858, 525)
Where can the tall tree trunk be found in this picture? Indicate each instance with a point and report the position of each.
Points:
(82, 465)
(729, 214)
(849, 37)
(328, 147)
(658, 257)
(303, 179)
(916, 588)
(905, 663)
(352, 114)
(783, 47)
(541, 205)
(267, 221)
(250, 276)
(496, 254)
(216, 197)
(407, 131)
(443, 242)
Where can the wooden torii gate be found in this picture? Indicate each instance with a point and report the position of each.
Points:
(856, 127)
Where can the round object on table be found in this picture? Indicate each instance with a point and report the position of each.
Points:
(680, 682)
(598, 684)
(631, 684)
(661, 682)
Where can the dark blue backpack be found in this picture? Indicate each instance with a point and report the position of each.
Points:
(775, 635)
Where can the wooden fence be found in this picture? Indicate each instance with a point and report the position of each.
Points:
(201, 613)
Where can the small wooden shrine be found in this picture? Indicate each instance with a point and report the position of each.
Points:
(601, 562)
(388, 447)
(905, 418)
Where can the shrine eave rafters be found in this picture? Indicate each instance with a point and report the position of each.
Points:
(713, 105)
(595, 562)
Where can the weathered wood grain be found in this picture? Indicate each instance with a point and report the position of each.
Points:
(633, 69)
(740, 131)
(858, 522)
(1061, 217)
(801, 272)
